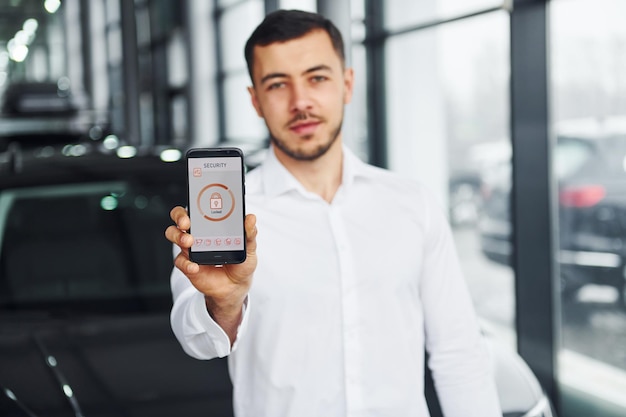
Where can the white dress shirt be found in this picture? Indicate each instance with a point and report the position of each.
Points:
(345, 299)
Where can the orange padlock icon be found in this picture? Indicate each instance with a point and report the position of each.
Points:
(216, 201)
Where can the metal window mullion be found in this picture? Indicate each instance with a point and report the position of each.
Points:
(86, 43)
(220, 90)
(376, 88)
(130, 71)
(532, 193)
(189, 90)
(271, 5)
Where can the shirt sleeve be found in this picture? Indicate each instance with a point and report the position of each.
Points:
(199, 335)
(460, 362)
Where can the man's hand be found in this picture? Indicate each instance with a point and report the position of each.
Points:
(224, 287)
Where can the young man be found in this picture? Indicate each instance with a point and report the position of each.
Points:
(355, 274)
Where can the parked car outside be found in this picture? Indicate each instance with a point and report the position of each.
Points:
(591, 177)
(85, 295)
(466, 165)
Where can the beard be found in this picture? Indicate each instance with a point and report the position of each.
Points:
(301, 154)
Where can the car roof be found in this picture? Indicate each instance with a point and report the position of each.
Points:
(40, 168)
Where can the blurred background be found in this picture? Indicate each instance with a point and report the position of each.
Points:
(512, 111)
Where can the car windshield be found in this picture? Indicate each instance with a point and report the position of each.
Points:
(570, 156)
(86, 246)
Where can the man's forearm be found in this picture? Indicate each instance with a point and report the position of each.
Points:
(227, 315)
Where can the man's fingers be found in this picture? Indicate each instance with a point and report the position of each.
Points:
(183, 263)
(179, 216)
(176, 233)
(171, 233)
(178, 237)
(251, 233)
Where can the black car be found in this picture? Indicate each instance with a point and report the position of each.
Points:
(85, 295)
(591, 177)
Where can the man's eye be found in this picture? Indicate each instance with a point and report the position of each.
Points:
(318, 78)
(274, 86)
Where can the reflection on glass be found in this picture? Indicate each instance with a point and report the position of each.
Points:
(589, 107)
(448, 127)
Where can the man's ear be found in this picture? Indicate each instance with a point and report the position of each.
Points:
(255, 101)
(348, 79)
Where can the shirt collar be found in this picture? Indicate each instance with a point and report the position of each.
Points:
(278, 180)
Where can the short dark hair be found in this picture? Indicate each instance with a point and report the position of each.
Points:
(285, 25)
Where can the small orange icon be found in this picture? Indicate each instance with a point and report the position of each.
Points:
(197, 172)
(227, 242)
(237, 241)
(207, 242)
(198, 242)
(218, 242)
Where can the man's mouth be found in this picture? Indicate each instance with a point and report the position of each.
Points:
(305, 128)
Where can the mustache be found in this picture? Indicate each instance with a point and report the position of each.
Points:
(302, 116)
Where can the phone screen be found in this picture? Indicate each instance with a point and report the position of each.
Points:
(216, 205)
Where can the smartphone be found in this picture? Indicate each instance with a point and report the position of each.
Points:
(216, 189)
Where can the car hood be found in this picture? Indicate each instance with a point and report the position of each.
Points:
(104, 366)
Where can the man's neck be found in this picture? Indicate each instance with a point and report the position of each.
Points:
(321, 176)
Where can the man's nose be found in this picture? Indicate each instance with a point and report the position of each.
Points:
(301, 99)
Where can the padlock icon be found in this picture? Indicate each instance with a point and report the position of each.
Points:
(216, 201)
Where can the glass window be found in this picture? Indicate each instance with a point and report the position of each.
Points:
(143, 26)
(308, 5)
(588, 81)
(114, 45)
(177, 59)
(403, 13)
(97, 25)
(236, 25)
(357, 10)
(242, 122)
(165, 15)
(356, 117)
(33, 43)
(146, 117)
(227, 3)
(447, 118)
(116, 116)
(355, 123)
(179, 120)
(57, 45)
(113, 12)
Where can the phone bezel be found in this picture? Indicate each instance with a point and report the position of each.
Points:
(217, 257)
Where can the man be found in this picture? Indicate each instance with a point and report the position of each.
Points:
(355, 273)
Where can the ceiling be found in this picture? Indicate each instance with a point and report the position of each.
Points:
(13, 14)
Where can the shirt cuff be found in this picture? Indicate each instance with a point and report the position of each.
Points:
(217, 335)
